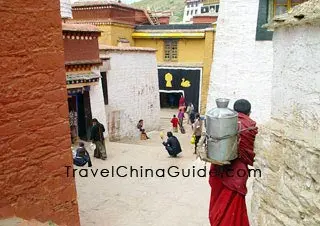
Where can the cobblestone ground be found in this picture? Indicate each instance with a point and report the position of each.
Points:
(133, 201)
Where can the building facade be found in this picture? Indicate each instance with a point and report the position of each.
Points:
(199, 7)
(115, 20)
(184, 57)
(131, 90)
(85, 94)
(243, 58)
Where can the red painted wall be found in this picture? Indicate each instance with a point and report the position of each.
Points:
(116, 13)
(34, 131)
(204, 19)
(164, 20)
(81, 50)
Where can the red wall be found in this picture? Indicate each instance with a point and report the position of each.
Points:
(81, 50)
(164, 20)
(34, 131)
(204, 19)
(117, 13)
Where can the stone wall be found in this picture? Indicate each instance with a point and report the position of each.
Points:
(133, 92)
(288, 148)
(34, 129)
(242, 66)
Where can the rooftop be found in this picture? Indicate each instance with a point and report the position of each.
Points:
(307, 12)
(134, 49)
(79, 27)
(81, 4)
(173, 27)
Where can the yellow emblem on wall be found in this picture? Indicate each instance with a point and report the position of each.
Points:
(168, 78)
(185, 83)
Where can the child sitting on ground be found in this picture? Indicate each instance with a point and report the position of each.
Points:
(175, 122)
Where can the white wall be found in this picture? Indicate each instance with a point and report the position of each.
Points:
(187, 18)
(288, 146)
(65, 9)
(97, 103)
(296, 81)
(133, 89)
(242, 66)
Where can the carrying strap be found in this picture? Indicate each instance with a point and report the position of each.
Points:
(216, 139)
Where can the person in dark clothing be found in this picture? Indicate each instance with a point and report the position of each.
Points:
(98, 139)
(172, 145)
(192, 116)
(82, 156)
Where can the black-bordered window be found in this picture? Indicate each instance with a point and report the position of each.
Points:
(267, 10)
(171, 50)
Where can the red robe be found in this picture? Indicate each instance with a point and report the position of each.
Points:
(228, 188)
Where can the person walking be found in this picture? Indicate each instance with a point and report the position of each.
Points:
(197, 131)
(182, 103)
(190, 109)
(98, 139)
(180, 117)
(228, 188)
(175, 122)
(172, 145)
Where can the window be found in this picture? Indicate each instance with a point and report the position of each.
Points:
(282, 6)
(205, 9)
(171, 50)
(196, 11)
(217, 8)
(267, 10)
(191, 12)
(188, 13)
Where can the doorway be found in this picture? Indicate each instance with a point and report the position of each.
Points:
(170, 99)
(84, 115)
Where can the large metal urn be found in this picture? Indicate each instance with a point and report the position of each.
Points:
(221, 129)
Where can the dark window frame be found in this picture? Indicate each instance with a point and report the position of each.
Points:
(168, 47)
(262, 34)
(104, 83)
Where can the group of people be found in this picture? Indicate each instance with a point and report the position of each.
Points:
(82, 156)
(172, 145)
(227, 202)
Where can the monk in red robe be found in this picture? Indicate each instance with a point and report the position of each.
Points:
(228, 182)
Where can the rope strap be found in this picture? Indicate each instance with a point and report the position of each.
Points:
(216, 139)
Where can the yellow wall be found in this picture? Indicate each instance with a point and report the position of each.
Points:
(152, 43)
(189, 51)
(112, 33)
(207, 63)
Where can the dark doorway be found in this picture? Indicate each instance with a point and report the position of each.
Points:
(169, 100)
(84, 115)
(73, 118)
(181, 80)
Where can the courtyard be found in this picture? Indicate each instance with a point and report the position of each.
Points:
(141, 200)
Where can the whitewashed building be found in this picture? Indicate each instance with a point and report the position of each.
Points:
(131, 90)
(288, 147)
(242, 64)
(65, 9)
(278, 72)
(197, 7)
